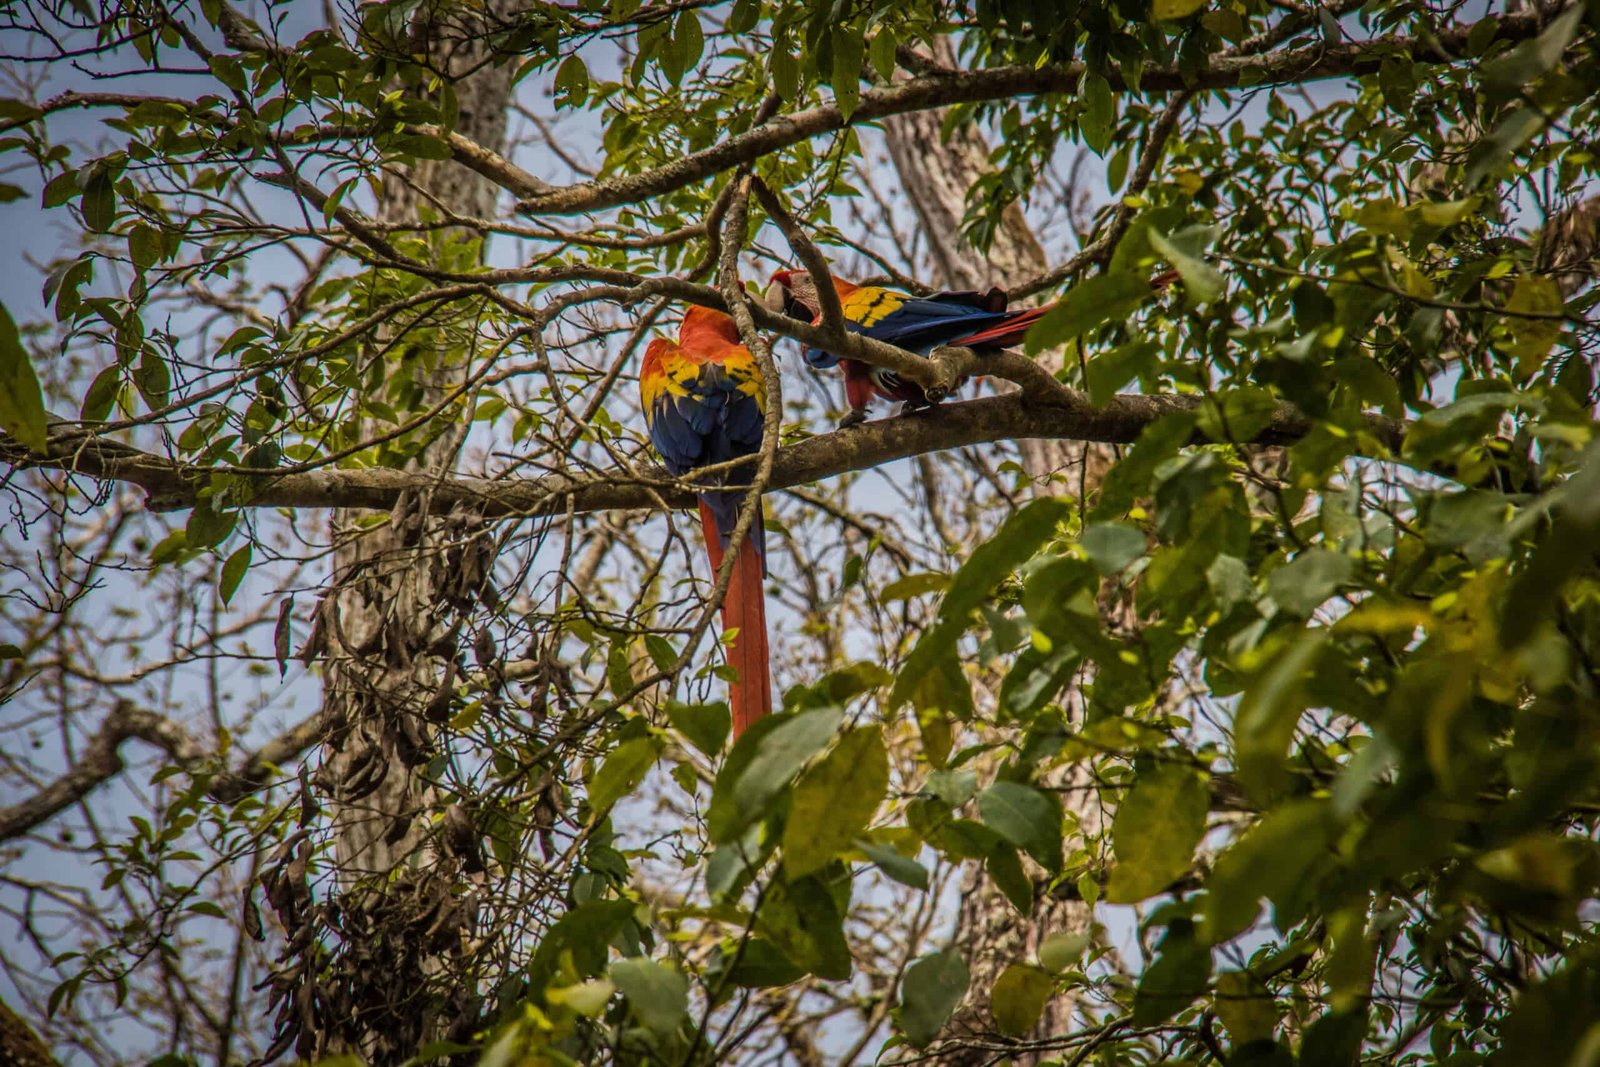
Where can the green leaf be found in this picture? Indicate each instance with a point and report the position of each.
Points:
(1335, 1038)
(1531, 338)
(903, 869)
(1237, 415)
(1116, 367)
(22, 412)
(848, 52)
(1266, 862)
(421, 146)
(99, 200)
(208, 527)
(588, 999)
(1112, 545)
(624, 768)
(1099, 114)
(1531, 59)
(1157, 827)
(572, 81)
(145, 245)
(955, 788)
(763, 762)
(60, 189)
(1004, 868)
(1312, 577)
(1060, 951)
(233, 572)
(913, 585)
(929, 995)
(581, 940)
(1512, 132)
(1018, 998)
(1011, 546)
(153, 379)
(1383, 215)
(1268, 712)
(761, 965)
(1245, 1006)
(229, 72)
(835, 800)
(1185, 251)
(662, 654)
(881, 51)
(784, 67)
(657, 994)
(744, 16)
(1162, 10)
(1027, 817)
(688, 39)
(1176, 978)
(1103, 298)
(705, 725)
(17, 111)
(803, 919)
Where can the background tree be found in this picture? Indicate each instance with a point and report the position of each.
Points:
(361, 689)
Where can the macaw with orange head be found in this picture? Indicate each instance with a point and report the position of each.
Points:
(704, 401)
(918, 324)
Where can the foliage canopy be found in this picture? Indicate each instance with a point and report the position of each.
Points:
(1321, 632)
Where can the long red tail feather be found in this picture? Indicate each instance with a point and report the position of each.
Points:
(1013, 330)
(744, 609)
(1006, 333)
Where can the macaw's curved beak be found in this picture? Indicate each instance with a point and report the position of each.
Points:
(775, 298)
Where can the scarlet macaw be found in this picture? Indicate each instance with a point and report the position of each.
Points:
(917, 324)
(704, 401)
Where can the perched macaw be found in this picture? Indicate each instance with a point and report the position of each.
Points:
(705, 401)
(917, 324)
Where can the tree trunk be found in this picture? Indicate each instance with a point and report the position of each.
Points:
(936, 175)
(387, 631)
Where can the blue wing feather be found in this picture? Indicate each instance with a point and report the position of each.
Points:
(919, 325)
(714, 423)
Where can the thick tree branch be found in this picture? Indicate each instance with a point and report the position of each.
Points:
(1061, 414)
(101, 761)
(19, 1045)
(1289, 66)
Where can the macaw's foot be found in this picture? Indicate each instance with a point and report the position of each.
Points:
(856, 417)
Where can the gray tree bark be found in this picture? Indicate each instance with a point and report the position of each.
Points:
(386, 634)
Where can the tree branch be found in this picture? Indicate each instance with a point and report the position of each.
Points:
(1061, 414)
(1290, 66)
(102, 761)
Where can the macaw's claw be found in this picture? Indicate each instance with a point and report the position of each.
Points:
(856, 417)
